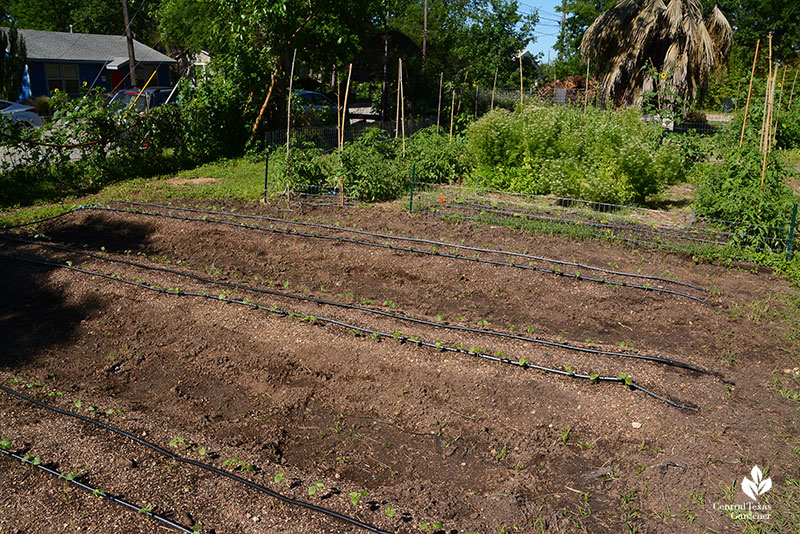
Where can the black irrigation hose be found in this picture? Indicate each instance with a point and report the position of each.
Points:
(616, 237)
(175, 457)
(360, 329)
(44, 219)
(655, 359)
(420, 240)
(95, 491)
(405, 249)
(609, 226)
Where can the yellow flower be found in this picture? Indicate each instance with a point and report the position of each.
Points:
(779, 84)
(474, 84)
(55, 90)
(84, 84)
(663, 75)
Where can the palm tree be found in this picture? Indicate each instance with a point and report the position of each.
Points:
(647, 46)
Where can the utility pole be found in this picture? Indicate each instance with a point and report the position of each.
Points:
(424, 33)
(131, 56)
(563, 28)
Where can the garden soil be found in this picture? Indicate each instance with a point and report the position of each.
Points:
(414, 435)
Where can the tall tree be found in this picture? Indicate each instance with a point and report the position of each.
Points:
(579, 16)
(12, 64)
(638, 38)
(754, 19)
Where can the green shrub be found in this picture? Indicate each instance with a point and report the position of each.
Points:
(437, 160)
(373, 169)
(731, 190)
(598, 155)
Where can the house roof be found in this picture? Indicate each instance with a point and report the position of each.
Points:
(86, 48)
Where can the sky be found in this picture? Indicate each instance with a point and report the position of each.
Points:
(549, 25)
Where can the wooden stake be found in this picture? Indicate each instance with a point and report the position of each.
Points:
(344, 108)
(521, 99)
(341, 142)
(476, 100)
(289, 120)
(397, 118)
(778, 112)
(338, 109)
(768, 140)
(749, 90)
(439, 107)
(494, 86)
(791, 96)
(586, 89)
(452, 107)
(403, 108)
(762, 142)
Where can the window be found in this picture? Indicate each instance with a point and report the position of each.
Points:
(143, 73)
(62, 76)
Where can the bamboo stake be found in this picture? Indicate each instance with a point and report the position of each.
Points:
(521, 99)
(476, 100)
(749, 90)
(586, 89)
(768, 140)
(461, 91)
(494, 86)
(452, 107)
(338, 83)
(341, 143)
(762, 142)
(344, 108)
(403, 108)
(791, 96)
(778, 112)
(439, 107)
(397, 114)
(289, 121)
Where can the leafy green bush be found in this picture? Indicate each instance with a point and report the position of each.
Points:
(600, 156)
(731, 190)
(373, 169)
(437, 159)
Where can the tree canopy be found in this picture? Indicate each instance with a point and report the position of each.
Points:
(12, 64)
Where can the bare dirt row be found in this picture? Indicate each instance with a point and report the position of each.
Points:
(428, 436)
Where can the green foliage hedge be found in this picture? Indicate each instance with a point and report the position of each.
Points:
(600, 156)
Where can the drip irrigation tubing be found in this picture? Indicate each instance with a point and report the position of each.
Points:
(358, 329)
(420, 240)
(667, 231)
(365, 309)
(576, 276)
(195, 463)
(669, 247)
(552, 217)
(96, 491)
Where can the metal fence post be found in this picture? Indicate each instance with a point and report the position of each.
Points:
(790, 239)
(411, 198)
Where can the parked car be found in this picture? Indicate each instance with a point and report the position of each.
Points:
(316, 107)
(20, 113)
(150, 98)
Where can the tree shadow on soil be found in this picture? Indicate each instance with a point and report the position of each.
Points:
(37, 314)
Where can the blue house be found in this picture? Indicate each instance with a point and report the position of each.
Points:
(67, 61)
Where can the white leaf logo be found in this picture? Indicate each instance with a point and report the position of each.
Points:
(755, 487)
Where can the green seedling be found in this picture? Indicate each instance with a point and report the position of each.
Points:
(389, 510)
(99, 492)
(594, 377)
(5, 445)
(146, 509)
(355, 497)
(627, 379)
(279, 478)
(178, 442)
(564, 435)
(35, 460)
(312, 490)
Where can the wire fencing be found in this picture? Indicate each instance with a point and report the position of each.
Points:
(673, 230)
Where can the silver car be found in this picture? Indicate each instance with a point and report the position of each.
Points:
(20, 114)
